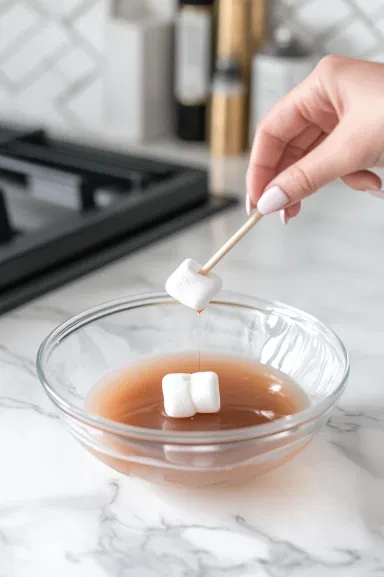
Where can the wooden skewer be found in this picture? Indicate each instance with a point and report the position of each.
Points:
(254, 219)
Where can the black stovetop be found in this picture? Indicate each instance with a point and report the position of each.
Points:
(66, 209)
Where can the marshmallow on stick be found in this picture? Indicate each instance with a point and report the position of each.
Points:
(194, 285)
(192, 289)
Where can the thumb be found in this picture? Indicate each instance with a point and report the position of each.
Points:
(336, 156)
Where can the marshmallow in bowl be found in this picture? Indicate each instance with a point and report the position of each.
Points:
(205, 392)
(185, 395)
(192, 289)
(177, 395)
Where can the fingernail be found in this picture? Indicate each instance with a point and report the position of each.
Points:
(284, 216)
(248, 205)
(378, 192)
(272, 200)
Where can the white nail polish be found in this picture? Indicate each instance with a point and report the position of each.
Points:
(248, 204)
(272, 200)
(284, 216)
(377, 192)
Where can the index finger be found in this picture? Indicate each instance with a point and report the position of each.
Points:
(283, 124)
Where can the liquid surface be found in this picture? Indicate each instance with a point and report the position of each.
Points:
(251, 394)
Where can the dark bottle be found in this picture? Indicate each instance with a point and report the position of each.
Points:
(193, 56)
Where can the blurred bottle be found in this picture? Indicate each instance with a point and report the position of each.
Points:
(193, 58)
(259, 29)
(227, 109)
(234, 42)
(282, 64)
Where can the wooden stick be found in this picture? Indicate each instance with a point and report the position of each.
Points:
(231, 243)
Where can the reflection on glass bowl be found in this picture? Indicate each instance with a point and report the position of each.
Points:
(81, 351)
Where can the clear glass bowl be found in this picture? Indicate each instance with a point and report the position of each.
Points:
(81, 351)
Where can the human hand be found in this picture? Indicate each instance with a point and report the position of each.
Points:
(330, 126)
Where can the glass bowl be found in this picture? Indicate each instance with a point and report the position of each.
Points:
(83, 350)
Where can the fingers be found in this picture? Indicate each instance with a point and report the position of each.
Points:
(256, 184)
(310, 138)
(282, 125)
(313, 136)
(292, 125)
(363, 180)
(287, 213)
(335, 157)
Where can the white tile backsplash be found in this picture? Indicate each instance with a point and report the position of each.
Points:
(369, 7)
(15, 23)
(51, 61)
(357, 38)
(315, 17)
(380, 26)
(84, 108)
(33, 54)
(378, 56)
(39, 102)
(59, 8)
(75, 64)
(52, 51)
(91, 23)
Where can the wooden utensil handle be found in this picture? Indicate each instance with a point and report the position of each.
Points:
(254, 219)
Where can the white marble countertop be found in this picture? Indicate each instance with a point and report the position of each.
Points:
(63, 513)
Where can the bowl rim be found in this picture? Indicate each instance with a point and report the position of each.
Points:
(278, 427)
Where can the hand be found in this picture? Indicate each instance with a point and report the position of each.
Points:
(330, 126)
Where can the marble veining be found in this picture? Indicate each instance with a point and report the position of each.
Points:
(63, 513)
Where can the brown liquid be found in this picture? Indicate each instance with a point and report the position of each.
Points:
(251, 394)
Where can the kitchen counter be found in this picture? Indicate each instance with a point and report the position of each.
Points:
(63, 513)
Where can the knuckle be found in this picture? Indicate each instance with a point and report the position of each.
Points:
(264, 125)
(301, 180)
(330, 64)
(250, 176)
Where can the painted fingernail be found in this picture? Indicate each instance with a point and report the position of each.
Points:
(272, 200)
(378, 192)
(284, 216)
(248, 205)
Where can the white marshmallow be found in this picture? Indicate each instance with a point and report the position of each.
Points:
(205, 392)
(177, 395)
(192, 289)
